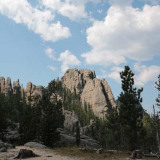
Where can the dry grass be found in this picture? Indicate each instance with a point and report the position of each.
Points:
(87, 154)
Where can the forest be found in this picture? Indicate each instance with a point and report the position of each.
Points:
(125, 127)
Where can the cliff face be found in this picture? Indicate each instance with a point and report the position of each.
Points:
(93, 91)
(31, 90)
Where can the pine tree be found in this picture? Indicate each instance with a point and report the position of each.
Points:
(130, 110)
(3, 116)
(51, 119)
(158, 88)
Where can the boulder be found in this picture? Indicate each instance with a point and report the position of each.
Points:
(35, 145)
(2, 145)
(3, 149)
(24, 153)
(12, 136)
(67, 139)
(70, 122)
(9, 146)
(5, 146)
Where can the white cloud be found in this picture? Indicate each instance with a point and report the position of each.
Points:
(68, 59)
(115, 74)
(73, 9)
(50, 53)
(51, 68)
(38, 21)
(126, 32)
(146, 74)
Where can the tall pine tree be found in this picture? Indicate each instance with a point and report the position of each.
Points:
(130, 110)
(158, 88)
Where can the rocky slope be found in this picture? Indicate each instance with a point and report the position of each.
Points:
(93, 91)
(97, 93)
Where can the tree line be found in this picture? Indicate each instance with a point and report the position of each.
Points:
(125, 127)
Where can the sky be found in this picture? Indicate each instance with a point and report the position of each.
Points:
(41, 39)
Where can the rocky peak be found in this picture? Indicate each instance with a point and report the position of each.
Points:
(2, 84)
(33, 91)
(16, 86)
(95, 92)
(75, 79)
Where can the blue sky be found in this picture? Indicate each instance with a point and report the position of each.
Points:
(41, 39)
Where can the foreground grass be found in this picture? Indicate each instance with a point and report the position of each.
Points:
(86, 154)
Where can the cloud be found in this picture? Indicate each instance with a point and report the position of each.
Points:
(36, 20)
(143, 74)
(115, 74)
(126, 32)
(146, 74)
(51, 68)
(50, 53)
(72, 9)
(68, 59)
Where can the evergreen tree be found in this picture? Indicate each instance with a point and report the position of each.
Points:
(130, 110)
(112, 128)
(158, 88)
(51, 119)
(3, 116)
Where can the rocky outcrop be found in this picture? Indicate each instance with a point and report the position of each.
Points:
(75, 79)
(35, 145)
(5, 86)
(67, 139)
(5, 146)
(93, 91)
(16, 87)
(71, 121)
(32, 91)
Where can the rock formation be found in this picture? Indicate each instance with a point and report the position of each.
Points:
(70, 122)
(93, 91)
(31, 91)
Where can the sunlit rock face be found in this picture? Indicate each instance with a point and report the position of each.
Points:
(31, 92)
(95, 92)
